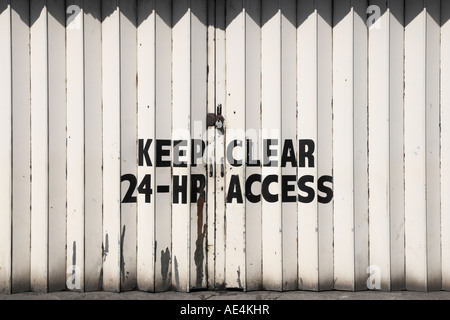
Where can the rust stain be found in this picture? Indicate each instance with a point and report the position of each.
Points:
(122, 258)
(199, 254)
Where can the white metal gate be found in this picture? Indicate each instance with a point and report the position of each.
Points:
(216, 144)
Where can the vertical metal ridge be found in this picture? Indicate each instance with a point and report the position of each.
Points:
(48, 152)
(244, 238)
(188, 240)
(425, 11)
(389, 201)
(352, 10)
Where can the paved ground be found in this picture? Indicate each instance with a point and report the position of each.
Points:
(232, 295)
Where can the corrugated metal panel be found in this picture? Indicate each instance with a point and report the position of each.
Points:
(386, 176)
(240, 144)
